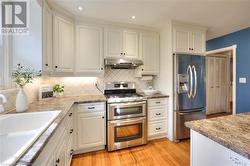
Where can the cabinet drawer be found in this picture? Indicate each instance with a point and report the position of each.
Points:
(157, 102)
(154, 114)
(157, 128)
(92, 114)
(90, 107)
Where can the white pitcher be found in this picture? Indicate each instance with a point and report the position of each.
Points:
(21, 101)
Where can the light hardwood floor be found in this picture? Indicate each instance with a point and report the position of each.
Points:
(160, 152)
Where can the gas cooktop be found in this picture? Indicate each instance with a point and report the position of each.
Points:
(126, 97)
(121, 92)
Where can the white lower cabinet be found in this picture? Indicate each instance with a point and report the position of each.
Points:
(91, 127)
(206, 152)
(58, 151)
(81, 131)
(157, 118)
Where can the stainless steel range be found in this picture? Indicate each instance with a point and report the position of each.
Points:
(126, 112)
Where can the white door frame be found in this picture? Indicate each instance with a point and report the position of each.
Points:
(233, 49)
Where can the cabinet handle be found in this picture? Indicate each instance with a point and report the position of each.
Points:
(91, 108)
(58, 161)
(71, 152)
(103, 117)
(142, 69)
(158, 128)
(56, 67)
(71, 131)
(102, 68)
(70, 114)
(158, 102)
(46, 64)
(158, 114)
(123, 53)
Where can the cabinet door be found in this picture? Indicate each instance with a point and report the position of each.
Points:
(181, 40)
(68, 152)
(130, 44)
(224, 84)
(91, 131)
(63, 45)
(47, 37)
(149, 50)
(197, 40)
(206, 152)
(211, 92)
(89, 49)
(60, 152)
(217, 85)
(113, 43)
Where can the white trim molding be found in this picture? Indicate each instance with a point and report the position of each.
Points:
(233, 49)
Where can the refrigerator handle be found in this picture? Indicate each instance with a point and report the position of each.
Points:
(195, 81)
(190, 74)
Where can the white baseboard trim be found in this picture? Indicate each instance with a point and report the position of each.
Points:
(86, 150)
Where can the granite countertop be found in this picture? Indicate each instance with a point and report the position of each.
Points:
(63, 104)
(158, 95)
(231, 131)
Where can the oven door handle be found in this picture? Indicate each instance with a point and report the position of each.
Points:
(127, 121)
(130, 104)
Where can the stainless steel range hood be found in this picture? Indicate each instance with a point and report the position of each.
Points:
(122, 63)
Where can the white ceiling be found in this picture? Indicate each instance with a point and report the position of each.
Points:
(219, 16)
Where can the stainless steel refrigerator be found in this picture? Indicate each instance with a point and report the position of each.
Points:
(189, 92)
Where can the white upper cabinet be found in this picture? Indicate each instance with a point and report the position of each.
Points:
(89, 50)
(47, 37)
(181, 40)
(130, 44)
(187, 39)
(149, 52)
(63, 33)
(121, 43)
(197, 42)
(113, 43)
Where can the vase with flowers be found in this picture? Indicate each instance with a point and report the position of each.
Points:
(58, 90)
(22, 76)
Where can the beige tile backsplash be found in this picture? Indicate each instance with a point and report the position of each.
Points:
(75, 85)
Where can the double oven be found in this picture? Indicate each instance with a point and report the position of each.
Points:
(126, 122)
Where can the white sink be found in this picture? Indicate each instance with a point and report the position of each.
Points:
(19, 131)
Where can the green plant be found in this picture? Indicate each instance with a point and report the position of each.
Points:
(22, 76)
(58, 88)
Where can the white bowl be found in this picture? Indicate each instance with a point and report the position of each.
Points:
(150, 92)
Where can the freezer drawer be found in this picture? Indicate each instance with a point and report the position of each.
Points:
(181, 131)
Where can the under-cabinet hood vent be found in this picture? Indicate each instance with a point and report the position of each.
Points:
(117, 63)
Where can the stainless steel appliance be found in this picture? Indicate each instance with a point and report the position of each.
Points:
(122, 63)
(189, 92)
(126, 112)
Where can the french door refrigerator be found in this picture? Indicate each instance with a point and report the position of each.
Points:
(189, 92)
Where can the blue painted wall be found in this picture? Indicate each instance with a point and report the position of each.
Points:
(242, 40)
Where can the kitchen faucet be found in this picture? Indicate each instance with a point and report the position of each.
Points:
(2, 101)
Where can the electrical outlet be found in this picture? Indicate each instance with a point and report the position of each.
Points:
(243, 80)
